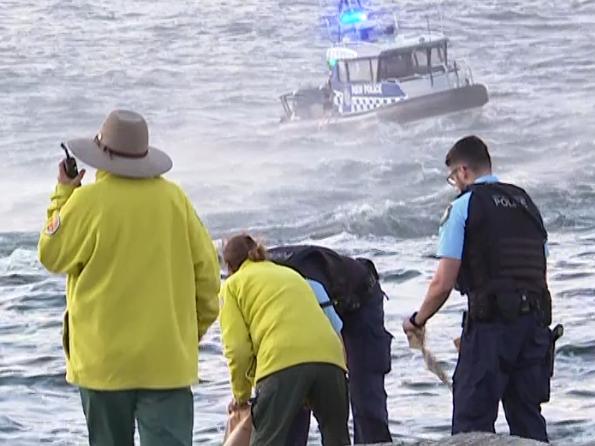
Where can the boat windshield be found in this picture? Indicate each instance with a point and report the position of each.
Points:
(358, 70)
(399, 64)
(396, 65)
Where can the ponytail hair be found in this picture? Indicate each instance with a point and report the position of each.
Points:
(240, 248)
(258, 253)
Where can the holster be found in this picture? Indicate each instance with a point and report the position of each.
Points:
(556, 334)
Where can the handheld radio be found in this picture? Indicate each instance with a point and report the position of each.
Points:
(69, 163)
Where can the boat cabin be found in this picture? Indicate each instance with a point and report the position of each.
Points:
(402, 63)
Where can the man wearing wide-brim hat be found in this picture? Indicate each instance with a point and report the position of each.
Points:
(143, 279)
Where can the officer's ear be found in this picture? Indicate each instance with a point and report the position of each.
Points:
(467, 174)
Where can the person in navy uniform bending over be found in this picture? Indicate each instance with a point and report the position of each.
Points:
(493, 248)
(354, 289)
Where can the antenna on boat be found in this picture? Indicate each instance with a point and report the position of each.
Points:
(429, 29)
(441, 14)
(397, 24)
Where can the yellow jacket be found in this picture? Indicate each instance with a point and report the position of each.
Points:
(271, 320)
(143, 279)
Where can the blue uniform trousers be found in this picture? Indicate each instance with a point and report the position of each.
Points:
(508, 362)
(367, 344)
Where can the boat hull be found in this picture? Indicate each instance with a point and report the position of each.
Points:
(412, 109)
(435, 104)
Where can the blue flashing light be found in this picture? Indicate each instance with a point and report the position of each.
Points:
(353, 17)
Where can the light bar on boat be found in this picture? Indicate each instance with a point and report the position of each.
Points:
(356, 21)
(353, 17)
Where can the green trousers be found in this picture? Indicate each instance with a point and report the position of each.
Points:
(164, 417)
(280, 396)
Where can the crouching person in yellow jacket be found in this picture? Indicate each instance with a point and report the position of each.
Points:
(276, 335)
(143, 280)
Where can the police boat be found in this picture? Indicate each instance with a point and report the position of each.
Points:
(406, 79)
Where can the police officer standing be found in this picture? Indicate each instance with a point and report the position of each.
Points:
(492, 249)
(354, 289)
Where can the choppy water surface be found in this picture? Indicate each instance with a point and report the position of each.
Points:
(207, 76)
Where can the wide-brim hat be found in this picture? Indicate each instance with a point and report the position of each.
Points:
(122, 147)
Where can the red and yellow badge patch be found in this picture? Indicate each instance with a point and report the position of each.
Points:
(53, 224)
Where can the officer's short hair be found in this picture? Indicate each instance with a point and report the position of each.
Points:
(470, 150)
